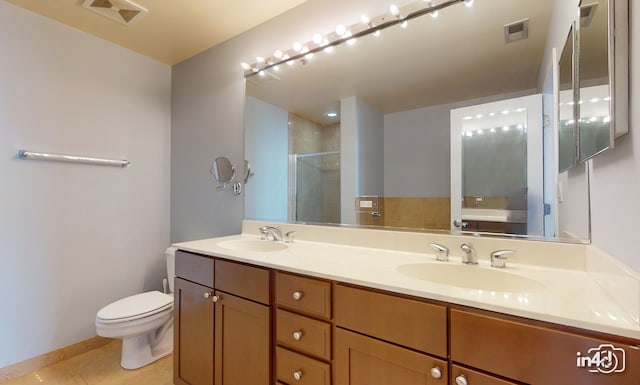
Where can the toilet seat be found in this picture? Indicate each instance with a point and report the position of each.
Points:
(135, 307)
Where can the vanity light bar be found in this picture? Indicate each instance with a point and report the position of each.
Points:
(303, 53)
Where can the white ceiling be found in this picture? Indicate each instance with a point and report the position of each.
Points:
(173, 30)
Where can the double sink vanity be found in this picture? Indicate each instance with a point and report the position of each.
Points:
(347, 306)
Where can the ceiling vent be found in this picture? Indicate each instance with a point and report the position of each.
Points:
(586, 14)
(123, 11)
(516, 31)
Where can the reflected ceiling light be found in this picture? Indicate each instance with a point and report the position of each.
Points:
(520, 126)
(365, 20)
(480, 132)
(521, 109)
(341, 30)
(606, 119)
(278, 54)
(395, 11)
(468, 117)
(260, 59)
(593, 119)
(469, 133)
(505, 112)
(332, 114)
(297, 46)
(261, 73)
(276, 68)
(329, 49)
(492, 114)
(433, 14)
(317, 38)
(404, 24)
(468, 3)
(376, 33)
(607, 98)
(245, 66)
(493, 130)
(478, 116)
(595, 100)
(505, 128)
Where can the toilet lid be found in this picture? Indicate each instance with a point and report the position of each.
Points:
(136, 306)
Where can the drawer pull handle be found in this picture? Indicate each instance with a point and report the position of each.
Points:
(461, 380)
(297, 335)
(297, 375)
(297, 295)
(436, 372)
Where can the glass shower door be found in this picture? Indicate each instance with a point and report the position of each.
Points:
(316, 187)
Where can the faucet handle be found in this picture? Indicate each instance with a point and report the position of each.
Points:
(499, 259)
(288, 237)
(442, 253)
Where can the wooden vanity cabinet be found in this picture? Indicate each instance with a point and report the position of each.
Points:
(303, 330)
(532, 353)
(386, 339)
(222, 328)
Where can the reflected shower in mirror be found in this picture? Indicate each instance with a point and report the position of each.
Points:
(394, 94)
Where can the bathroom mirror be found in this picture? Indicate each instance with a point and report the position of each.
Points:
(384, 104)
(568, 126)
(602, 76)
(222, 170)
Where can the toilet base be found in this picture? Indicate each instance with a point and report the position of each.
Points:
(141, 350)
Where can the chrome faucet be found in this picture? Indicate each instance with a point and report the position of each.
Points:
(470, 257)
(442, 253)
(499, 259)
(275, 232)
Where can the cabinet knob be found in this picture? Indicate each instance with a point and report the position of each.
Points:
(207, 295)
(436, 372)
(297, 375)
(297, 335)
(461, 380)
(297, 295)
(215, 298)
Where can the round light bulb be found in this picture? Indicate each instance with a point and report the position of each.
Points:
(395, 11)
(317, 38)
(341, 29)
(404, 24)
(376, 33)
(468, 3)
(259, 59)
(365, 19)
(329, 49)
(297, 46)
(278, 54)
(245, 66)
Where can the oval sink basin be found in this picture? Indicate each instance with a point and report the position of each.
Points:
(471, 277)
(253, 245)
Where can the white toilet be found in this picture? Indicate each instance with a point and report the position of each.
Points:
(143, 321)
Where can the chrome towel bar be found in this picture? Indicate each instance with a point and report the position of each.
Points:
(24, 154)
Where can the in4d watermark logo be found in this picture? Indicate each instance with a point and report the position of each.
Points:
(604, 359)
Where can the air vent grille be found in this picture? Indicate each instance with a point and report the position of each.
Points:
(123, 11)
(516, 31)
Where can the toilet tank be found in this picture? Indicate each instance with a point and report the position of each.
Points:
(170, 253)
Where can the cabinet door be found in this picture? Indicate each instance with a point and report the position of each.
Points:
(363, 360)
(243, 341)
(193, 334)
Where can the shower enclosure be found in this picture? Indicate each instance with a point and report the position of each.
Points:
(314, 187)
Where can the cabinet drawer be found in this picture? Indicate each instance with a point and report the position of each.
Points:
(195, 268)
(314, 336)
(475, 378)
(306, 295)
(411, 323)
(244, 281)
(533, 354)
(311, 372)
(361, 360)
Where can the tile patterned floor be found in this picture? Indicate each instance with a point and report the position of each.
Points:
(99, 367)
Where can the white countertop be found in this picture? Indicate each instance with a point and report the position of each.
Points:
(570, 297)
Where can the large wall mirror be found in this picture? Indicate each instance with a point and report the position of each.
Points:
(362, 135)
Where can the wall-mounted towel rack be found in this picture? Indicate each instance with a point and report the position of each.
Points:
(24, 154)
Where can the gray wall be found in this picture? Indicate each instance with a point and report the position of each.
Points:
(266, 149)
(76, 237)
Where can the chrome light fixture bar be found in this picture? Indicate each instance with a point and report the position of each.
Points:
(303, 54)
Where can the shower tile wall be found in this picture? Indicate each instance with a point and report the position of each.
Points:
(318, 179)
(307, 137)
